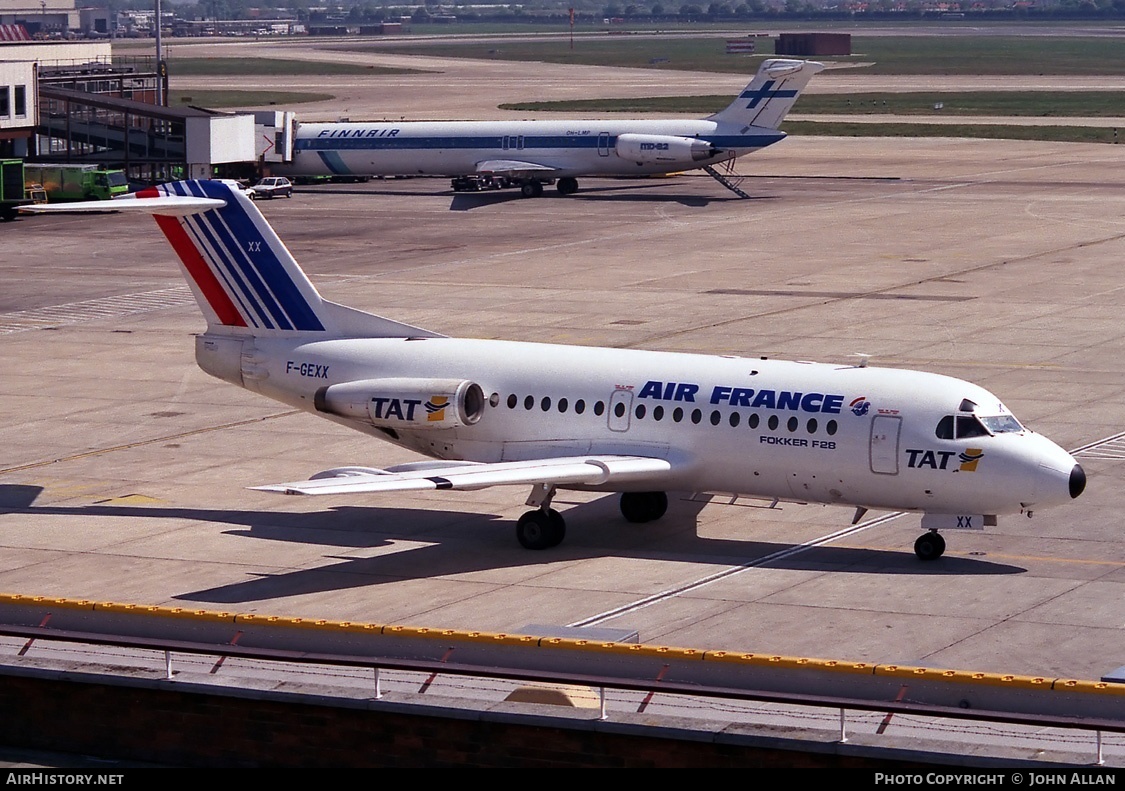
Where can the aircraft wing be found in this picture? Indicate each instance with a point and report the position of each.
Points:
(588, 470)
(513, 168)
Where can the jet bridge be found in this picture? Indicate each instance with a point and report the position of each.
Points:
(147, 140)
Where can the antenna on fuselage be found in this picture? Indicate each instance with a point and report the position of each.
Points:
(863, 358)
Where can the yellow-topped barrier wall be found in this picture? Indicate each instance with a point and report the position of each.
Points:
(669, 653)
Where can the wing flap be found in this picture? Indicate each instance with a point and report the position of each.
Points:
(588, 470)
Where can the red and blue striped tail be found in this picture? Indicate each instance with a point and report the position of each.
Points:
(241, 272)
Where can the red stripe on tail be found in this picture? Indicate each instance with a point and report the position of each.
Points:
(212, 290)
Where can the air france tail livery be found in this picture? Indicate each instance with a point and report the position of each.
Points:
(529, 154)
(548, 417)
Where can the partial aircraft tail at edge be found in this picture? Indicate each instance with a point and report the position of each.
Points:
(770, 95)
(242, 275)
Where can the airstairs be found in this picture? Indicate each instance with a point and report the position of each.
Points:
(731, 180)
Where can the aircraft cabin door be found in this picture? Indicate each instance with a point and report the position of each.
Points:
(603, 144)
(620, 410)
(885, 430)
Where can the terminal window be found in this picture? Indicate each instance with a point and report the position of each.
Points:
(21, 100)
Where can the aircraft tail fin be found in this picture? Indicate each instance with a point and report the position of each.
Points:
(243, 276)
(770, 95)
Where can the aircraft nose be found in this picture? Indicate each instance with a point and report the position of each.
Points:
(1060, 477)
(1077, 481)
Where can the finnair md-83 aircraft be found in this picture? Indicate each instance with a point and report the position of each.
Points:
(529, 154)
(642, 423)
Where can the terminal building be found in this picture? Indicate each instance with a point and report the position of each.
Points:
(73, 102)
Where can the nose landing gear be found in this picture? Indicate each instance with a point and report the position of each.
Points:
(929, 546)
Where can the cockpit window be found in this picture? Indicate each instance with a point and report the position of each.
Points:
(945, 428)
(969, 426)
(1001, 424)
(964, 426)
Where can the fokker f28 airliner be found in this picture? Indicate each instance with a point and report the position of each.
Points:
(550, 417)
(528, 154)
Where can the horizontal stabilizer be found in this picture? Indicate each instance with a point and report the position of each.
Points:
(571, 470)
(166, 205)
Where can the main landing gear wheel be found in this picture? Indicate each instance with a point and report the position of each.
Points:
(929, 546)
(532, 189)
(567, 185)
(541, 529)
(639, 507)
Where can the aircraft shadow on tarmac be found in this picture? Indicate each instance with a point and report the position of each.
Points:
(654, 191)
(463, 542)
(625, 193)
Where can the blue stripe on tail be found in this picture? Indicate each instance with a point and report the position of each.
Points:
(251, 261)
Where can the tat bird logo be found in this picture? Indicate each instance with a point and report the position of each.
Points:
(970, 458)
(860, 406)
(435, 408)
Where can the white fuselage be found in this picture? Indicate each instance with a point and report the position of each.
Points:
(798, 431)
(567, 148)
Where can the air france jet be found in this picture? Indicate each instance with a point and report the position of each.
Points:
(550, 417)
(528, 154)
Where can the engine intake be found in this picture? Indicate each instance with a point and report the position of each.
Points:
(663, 149)
(405, 403)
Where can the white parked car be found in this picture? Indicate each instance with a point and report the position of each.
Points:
(272, 187)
